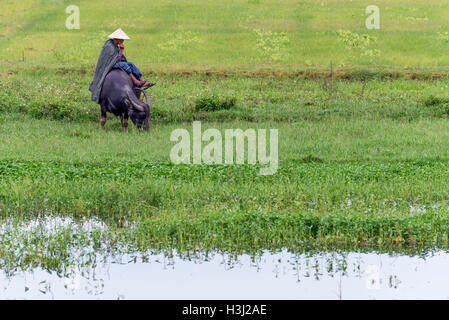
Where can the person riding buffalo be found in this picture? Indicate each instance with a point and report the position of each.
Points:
(112, 57)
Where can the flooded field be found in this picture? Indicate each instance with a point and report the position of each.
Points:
(58, 258)
(280, 275)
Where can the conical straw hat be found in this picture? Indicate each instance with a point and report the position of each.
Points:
(119, 34)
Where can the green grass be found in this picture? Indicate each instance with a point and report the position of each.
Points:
(173, 35)
(298, 186)
(363, 148)
(64, 96)
(350, 154)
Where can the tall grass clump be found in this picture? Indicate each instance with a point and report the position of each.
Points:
(438, 104)
(214, 103)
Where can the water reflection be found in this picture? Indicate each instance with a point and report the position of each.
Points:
(89, 271)
(280, 275)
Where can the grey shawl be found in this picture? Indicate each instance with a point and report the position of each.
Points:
(107, 59)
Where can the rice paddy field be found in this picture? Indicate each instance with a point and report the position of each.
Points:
(362, 117)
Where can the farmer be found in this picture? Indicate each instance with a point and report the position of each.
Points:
(112, 57)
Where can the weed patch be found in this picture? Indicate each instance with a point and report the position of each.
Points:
(214, 103)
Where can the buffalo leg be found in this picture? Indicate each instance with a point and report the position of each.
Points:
(103, 116)
(124, 121)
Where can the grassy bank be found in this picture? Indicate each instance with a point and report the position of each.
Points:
(176, 98)
(363, 131)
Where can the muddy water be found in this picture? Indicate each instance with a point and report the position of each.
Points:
(280, 275)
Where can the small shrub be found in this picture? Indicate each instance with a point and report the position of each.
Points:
(439, 105)
(433, 101)
(55, 111)
(311, 158)
(272, 45)
(443, 36)
(360, 43)
(214, 103)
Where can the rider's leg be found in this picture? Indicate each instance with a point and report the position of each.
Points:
(128, 69)
(138, 75)
(133, 72)
(135, 81)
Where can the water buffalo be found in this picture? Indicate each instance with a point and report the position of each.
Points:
(120, 97)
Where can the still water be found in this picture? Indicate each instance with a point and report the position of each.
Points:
(280, 275)
(268, 275)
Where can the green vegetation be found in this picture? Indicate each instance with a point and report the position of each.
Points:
(188, 35)
(178, 98)
(214, 103)
(362, 118)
